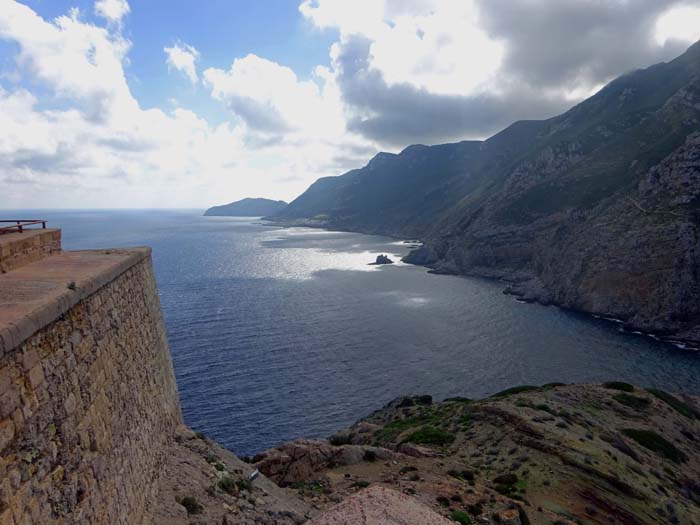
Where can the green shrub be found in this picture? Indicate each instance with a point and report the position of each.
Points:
(361, 484)
(458, 399)
(548, 386)
(311, 487)
(546, 408)
(370, 455)
(393, 429)
(654, 442)
(244, 484)
(464, 475)
(199, 435)
(675, 403)
(506, 479)
(619, 385)
(515, 390)
(192, 506)
(635, 402)
(227, 484)
(461, 517)
(429, 435)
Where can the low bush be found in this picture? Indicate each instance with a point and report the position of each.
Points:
(675, 403)
(515, 390)
(192, 506)
(226, 484)
(429, 435)
(619, 385)
(635, 402)
(656, 443)
(461, 517)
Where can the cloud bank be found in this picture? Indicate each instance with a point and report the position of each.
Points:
(72, 133)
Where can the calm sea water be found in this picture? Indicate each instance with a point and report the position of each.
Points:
(281, 333)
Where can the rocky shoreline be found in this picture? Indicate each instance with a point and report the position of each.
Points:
(562, 454)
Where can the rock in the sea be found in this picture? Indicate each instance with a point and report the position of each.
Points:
(382, 259)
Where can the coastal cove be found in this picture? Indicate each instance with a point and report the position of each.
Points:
(273, 329)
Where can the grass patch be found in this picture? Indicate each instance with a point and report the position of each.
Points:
(429, 435)
(461, 517)
(390, 431)
(656, 443)
(675, 403)
(635, 402)
(309, 487)
(619, 385)
(515, 390)
(428, 415)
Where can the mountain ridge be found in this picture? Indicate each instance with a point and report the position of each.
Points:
(595, 209)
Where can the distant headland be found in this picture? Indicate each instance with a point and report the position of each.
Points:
(247, 208)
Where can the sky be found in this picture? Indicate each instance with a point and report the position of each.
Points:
(181, 104)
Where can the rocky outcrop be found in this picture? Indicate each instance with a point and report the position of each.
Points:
(382, 259)
(300, 460)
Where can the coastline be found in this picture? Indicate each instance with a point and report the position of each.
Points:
(515, 287)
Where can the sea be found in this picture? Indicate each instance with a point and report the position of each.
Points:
(281, 333)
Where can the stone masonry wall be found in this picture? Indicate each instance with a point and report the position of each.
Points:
(87, 405)
(17, 249)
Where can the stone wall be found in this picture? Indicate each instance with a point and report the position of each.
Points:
(87, 405)
(17, 249)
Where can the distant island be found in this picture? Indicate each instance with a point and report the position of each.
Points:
(247, 208)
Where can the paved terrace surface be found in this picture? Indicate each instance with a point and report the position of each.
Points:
(34, 295)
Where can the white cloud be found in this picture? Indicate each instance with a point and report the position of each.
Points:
(430, 44)
(270, 98)
(441, 70)
(73, 135)
(112, 10)
(680, 23)
(183, 58)
(401, 71)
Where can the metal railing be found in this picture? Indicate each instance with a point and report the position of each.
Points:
(18, 226)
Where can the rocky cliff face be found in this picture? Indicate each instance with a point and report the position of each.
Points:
(595, 210)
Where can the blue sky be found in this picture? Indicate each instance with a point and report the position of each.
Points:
(148, 103)
(219, 29)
